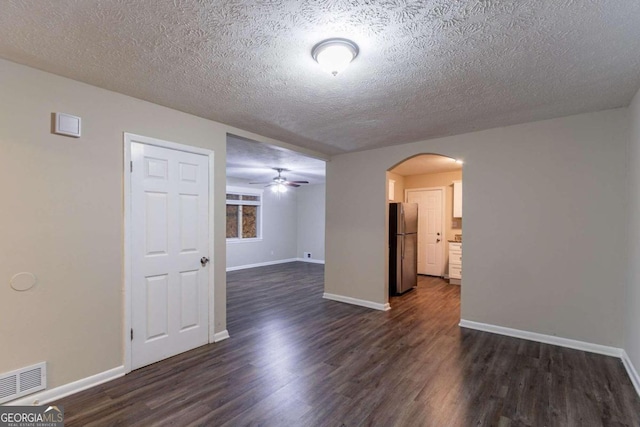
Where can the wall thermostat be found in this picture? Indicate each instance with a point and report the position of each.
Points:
(66, 124)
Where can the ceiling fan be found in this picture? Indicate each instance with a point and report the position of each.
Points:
(279, 184)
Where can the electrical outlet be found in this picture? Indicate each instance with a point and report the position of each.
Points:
(307, 254)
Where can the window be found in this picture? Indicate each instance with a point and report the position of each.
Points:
(244, 214)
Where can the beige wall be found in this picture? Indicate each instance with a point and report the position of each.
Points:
(62, 218)
(544, 210)
(632, 296)
(445, 179)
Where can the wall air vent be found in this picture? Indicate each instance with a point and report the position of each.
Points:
(23, 381)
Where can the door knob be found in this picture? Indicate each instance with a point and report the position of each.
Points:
(437, 240)
(204, 261)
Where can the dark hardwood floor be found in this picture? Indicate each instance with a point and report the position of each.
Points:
(294, 359)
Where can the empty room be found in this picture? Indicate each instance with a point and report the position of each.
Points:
(254, 213)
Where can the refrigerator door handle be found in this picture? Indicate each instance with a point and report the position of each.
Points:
(402, 248)
(402, 219)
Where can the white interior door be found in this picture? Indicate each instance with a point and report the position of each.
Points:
(430, 230)
(170, 235)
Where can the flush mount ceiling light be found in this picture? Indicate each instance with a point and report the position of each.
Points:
(334, 55)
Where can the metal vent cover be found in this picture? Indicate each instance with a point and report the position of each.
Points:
(8, 387)
(23, 381)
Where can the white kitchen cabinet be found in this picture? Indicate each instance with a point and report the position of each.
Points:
(457, 199)
(455, 262)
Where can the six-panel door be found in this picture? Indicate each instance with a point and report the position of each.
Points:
(170, 235)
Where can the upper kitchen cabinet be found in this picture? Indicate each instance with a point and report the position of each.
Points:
(457, 199)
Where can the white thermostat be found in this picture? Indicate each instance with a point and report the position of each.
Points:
(66, 124)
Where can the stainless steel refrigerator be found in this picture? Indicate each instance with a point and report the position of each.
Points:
(403, 247)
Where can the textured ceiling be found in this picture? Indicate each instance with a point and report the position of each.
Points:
(426, 163)
(253, 161)
(425, 69)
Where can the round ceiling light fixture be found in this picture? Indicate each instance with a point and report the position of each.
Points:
(334, 55)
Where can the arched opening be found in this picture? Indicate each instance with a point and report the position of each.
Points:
(424, 202)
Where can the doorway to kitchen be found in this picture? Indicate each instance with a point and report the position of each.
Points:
(434, 183)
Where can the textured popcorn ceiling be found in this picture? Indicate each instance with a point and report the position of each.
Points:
(253, 161)
(425, 69)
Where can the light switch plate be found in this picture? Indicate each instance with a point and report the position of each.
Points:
(66, 124)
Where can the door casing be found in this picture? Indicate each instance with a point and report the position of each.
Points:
(128, 139)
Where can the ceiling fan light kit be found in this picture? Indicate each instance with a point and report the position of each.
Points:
(334, 55)
(279, 184)
(279, 188)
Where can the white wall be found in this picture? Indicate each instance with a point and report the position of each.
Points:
(544, 224)
(279, 232)
(311, 221)
(632, 320)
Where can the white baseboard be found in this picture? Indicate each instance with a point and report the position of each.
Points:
(356, 301)
(48, 396)
(220, 336)
(262, 264)
(311, 260)
(631, 371)
(547, 339)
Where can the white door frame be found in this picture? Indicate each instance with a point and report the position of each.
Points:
(130, 138)
(442, 223)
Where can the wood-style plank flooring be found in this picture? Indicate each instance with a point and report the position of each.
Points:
(294, 359)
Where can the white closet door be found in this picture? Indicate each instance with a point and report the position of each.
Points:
(170, 234)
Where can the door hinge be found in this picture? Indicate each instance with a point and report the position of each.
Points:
(131, 334)
(131, 166)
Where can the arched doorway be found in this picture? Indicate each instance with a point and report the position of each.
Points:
(434, 183)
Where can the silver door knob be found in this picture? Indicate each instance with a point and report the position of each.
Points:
(204, 261)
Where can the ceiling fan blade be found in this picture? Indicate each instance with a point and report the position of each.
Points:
(290, 184)
(265, 182)
(299, 182)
